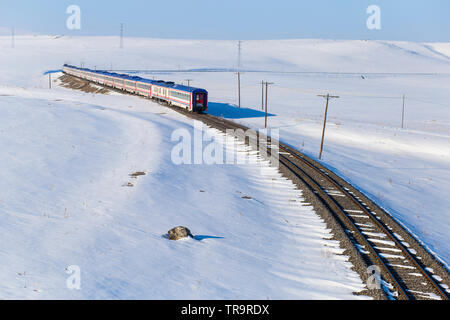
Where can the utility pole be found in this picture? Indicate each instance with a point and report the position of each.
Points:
(239, 88)
(188, 81)
(49, 80)
(262, 94)
(403, 111)
(121, 36)
(12, 38)
(267, 90)
(239, 73)
(324, 120)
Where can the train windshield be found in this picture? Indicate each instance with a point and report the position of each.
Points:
(199, 100)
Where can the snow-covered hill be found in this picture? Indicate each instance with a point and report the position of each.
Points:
(66, 156)
(66, 162)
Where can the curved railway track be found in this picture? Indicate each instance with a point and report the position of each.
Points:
(403, 274)
(407, 271)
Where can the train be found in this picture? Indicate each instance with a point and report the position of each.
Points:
(189, 98)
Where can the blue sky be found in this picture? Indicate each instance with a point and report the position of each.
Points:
(413, 20)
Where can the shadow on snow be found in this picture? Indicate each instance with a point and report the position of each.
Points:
(229, 111)
(197, 237)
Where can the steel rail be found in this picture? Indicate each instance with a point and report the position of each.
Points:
(343, 189)
(298, 156)
(334, 208)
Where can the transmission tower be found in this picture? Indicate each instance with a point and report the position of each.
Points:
(239, 54)
(121, 36)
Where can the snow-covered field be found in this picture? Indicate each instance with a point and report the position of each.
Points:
(66, 155)
(66, 159)
(65, 162)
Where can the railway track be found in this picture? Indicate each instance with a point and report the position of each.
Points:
(407, 271)
(403, 274)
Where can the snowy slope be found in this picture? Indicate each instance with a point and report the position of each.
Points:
(66, 158)
(276, 55)
(269, 246)
(404, 170)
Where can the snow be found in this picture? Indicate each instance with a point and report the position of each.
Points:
(66, 156)
(66, 159)
(404, 170)
(69, 207)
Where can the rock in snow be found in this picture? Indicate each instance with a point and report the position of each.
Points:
(179, 233)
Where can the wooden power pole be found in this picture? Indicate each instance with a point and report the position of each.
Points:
(239, 72)
(265, 112)
(262, 94)
(188, 81)
(327, 96)
(239, 89)
(403, 111)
